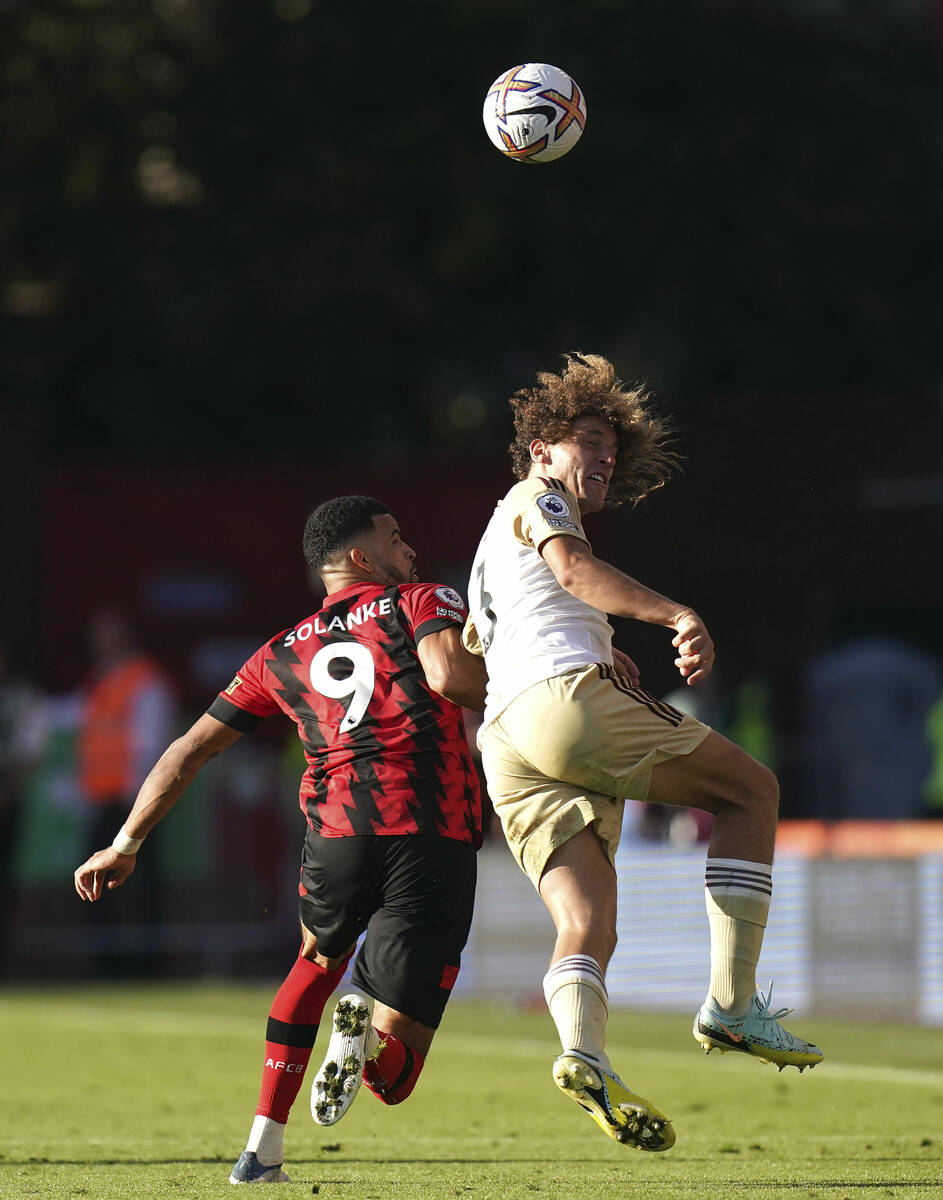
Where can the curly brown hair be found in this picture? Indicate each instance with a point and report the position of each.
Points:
(588, 384)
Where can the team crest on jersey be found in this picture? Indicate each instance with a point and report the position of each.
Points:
(237, 682)
(553, 505)
(450, 596)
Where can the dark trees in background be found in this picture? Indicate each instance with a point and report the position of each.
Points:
(277, 231)
(221, 224)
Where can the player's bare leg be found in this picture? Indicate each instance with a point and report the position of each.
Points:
(724, 780)
(411, 1033)
(579, 888)
(743, 795)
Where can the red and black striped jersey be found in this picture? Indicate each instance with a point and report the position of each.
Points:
(385, 753)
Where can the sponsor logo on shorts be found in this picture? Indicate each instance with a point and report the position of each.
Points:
(450, 596)
(237, 682)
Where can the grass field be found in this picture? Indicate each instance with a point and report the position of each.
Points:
(149, 1092)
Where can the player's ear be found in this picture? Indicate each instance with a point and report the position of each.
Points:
(359, 558)
(539, 451)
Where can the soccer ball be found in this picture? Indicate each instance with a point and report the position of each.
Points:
(534, 113)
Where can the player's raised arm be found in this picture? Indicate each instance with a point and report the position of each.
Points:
(159, 792)
(610, 590)
(451, 670)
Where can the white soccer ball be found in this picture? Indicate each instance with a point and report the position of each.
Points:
(534, 113)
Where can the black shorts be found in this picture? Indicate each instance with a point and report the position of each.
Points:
(413, 894)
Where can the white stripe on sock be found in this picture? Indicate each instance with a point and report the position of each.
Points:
(575, 989)
(736, 876)
(576, 968)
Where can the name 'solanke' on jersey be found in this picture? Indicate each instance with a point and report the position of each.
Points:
(357, 616)
(385, 753)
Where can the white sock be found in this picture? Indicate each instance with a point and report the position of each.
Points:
(575, 988)
(737, 894)
(266, 1138)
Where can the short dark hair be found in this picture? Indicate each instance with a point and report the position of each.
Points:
(335, 524)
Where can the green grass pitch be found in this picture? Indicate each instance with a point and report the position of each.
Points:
(149, 1092)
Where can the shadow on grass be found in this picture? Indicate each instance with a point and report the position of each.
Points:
(297, 1163)
(656, 1186)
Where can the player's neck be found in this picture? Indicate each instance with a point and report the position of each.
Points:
(339, 581)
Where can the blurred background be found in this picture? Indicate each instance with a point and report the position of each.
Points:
(255, 256)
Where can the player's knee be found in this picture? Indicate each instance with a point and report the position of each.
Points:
(309, 943)
(592, 929)
(754, 790)
(764, 788)
(602, 937)
(309, 950)
(611, 942)
(760, 798)
(596, 938)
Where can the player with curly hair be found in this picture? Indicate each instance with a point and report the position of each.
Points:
(568, 734)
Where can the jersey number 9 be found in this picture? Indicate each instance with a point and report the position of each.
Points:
(357, 684)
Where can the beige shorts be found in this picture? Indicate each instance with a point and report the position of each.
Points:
(569, 751)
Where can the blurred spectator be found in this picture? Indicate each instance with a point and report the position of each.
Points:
(867, 704)
(750, 724)
(249, 835)
(933, 791)
(125, 720)
(22, 735)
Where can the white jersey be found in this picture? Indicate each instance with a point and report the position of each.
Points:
(527, 626)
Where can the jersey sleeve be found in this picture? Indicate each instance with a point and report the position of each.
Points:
(247, 701)
(471, 640)
(431, 607)
(541, 508)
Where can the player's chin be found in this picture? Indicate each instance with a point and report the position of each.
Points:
(593, 499)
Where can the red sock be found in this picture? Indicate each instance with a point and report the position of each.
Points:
(392, 1075)
(289, 1036)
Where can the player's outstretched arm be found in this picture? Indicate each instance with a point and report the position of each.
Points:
(610, 590)
(451, 670)
(159, 792)
(695, 648)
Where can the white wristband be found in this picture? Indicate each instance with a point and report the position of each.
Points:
(125, 844)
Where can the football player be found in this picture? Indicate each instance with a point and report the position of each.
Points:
(569, 734)
(374, 682)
